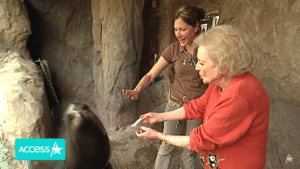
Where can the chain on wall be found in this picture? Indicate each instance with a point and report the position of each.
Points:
(45, 68)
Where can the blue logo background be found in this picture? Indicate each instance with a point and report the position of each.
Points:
(40, 149)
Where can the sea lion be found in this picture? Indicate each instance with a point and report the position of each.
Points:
(87, 142)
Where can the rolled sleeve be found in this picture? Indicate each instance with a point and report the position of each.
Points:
(194, 110)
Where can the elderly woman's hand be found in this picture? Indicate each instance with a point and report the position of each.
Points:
(151, 118)
(131, 93)
(148, 133)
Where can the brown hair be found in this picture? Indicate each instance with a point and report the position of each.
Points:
(190, 15)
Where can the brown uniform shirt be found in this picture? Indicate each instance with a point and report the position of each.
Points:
(187, 81)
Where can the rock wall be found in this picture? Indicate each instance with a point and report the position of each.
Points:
(118, 45)
(274, 29)
(62, 35)
(24, 110)
(94, 50)
(14, 37)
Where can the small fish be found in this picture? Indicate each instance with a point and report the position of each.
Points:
(137, 122)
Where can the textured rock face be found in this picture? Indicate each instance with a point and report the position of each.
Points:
(13, 14)
(274, 29)
(93, 49)
(130, 152)
(62, 35)
(118, 42)
(23, 103)
(24, 109)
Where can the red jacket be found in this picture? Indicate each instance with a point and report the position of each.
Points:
(234, 132)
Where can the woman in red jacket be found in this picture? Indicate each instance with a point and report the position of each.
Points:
(234, 109)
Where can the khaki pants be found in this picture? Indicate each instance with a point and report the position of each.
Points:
(165, 152)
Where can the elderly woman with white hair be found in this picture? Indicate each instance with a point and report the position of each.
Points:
(234, 109)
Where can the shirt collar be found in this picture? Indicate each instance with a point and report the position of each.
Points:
(181, 50)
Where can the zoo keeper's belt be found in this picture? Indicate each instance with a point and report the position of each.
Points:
(180, 101)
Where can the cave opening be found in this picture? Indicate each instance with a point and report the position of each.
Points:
(35, 47)
(34, 42)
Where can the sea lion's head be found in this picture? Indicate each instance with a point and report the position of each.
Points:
(86, 134)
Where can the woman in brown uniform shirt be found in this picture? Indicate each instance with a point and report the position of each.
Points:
(187, 83)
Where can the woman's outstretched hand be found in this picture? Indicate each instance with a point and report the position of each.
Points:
(151, 118)
(131, 93)
(147, 133)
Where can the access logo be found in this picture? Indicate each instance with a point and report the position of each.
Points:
(40, 149)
